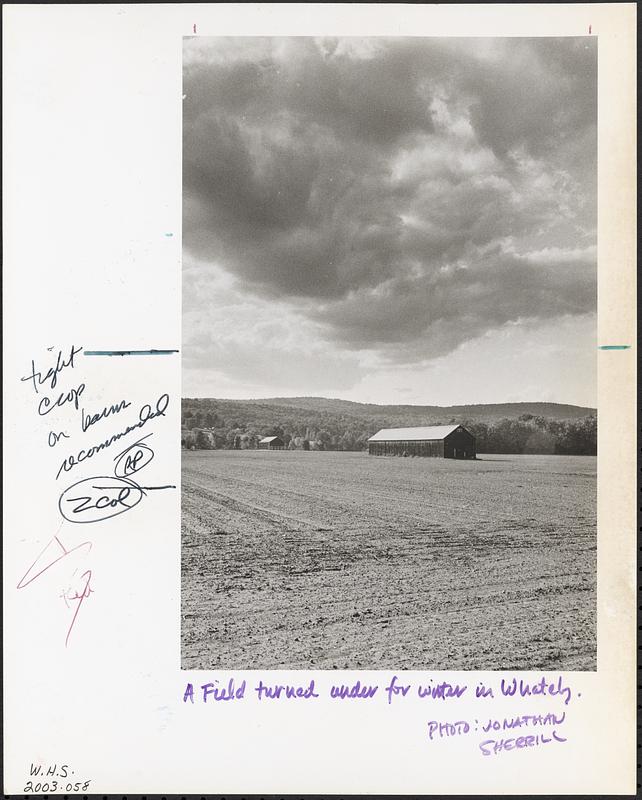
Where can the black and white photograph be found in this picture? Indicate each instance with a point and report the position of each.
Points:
(389, 356)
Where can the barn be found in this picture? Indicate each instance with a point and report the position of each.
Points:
(439, 441)
(271, 443)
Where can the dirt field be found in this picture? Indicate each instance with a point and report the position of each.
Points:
(308, 560)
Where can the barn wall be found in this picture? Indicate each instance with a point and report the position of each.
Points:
(428, 448)
(460, 444)
(278, 445)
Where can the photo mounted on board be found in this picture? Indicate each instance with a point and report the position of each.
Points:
(389, 417)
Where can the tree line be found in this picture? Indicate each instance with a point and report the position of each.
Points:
(207, 425)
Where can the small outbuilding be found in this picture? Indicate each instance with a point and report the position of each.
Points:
(271, 443)
(438, 441)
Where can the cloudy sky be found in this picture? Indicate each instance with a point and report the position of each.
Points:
(390, 220)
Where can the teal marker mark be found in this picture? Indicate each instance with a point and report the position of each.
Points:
(129, 352)
(614, 347)
(169, 234)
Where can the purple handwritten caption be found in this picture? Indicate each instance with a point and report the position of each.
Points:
(494, 734)
(88, 499)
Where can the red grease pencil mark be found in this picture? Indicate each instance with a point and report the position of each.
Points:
(194, 28)
(24, 582)
(589, 29)
(86, 591)
(48, 558)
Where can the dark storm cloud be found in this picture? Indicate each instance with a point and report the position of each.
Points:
(536, 93)
(400, 189)
(416, 319)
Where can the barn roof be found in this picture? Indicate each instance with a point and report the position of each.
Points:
(413, 434)
(267, 439)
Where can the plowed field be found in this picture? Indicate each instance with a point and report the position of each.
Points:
(312, 560)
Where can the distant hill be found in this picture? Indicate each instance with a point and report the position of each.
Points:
(327, 424)
(485, 412)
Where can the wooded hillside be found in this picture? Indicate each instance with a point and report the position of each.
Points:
(314, 423)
